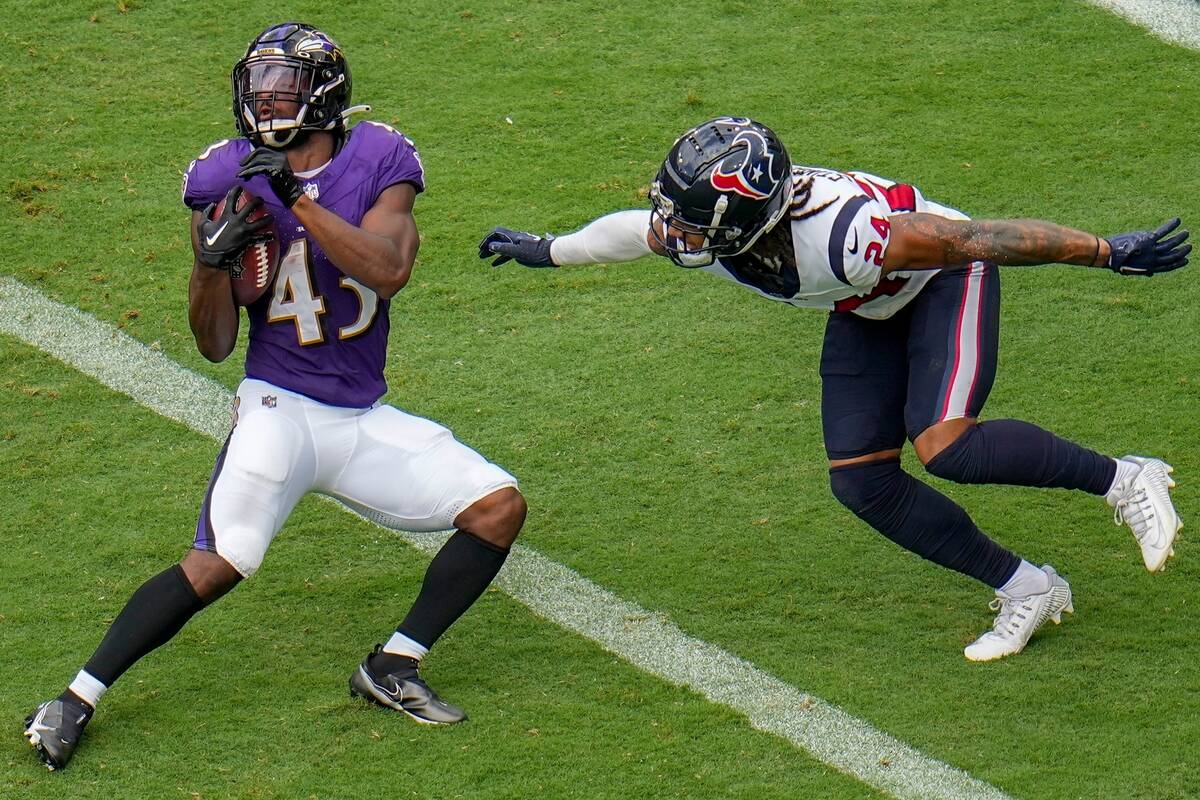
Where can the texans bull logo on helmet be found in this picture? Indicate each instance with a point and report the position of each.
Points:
(747, 172)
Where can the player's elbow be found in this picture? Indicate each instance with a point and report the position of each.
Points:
(395, 272)
(214, 345)
(214, 353)
(388, 287)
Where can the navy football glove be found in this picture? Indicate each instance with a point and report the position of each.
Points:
(1149, 252)
(525, 248)
(223, 240)
(274, 165)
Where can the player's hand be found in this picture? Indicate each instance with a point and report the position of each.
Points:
(1149, 252)
(526, 249)
(222, 241)
(274, 165)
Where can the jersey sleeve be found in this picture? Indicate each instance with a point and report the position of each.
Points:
(858, 240)
(840, 250)
(210, 175)
(399, 161)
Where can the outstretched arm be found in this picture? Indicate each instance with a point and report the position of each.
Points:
(928, 241)
(622, 236)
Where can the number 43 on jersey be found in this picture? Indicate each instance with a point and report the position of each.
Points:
(294, 298)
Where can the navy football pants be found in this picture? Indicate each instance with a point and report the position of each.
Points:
(887, 380)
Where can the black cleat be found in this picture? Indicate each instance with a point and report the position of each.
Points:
(403, 691)
(53, 730)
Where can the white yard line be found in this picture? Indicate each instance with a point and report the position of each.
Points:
(643, 638)
(1176, 21)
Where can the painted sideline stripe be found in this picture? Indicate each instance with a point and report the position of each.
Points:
(643, 638)
(1175, 21)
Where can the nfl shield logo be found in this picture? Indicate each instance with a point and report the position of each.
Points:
(312, 190)
(268, 400)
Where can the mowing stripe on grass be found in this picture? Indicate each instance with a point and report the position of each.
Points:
(1176, 21)
(643, 638)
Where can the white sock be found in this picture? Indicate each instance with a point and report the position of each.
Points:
(1126, 470)
(88, 688)
(1027, 580)
(401, 645)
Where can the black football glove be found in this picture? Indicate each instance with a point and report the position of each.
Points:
(526, 249)
(1149, 252)
(273, 164)
(223, 240)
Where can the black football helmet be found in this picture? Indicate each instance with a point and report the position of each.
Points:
(728, 180)
(293, 79)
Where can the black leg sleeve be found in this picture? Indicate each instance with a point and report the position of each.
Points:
(154, 614)
(456, 577)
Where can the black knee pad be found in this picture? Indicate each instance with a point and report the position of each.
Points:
(867, 486)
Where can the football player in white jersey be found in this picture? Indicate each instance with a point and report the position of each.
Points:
(912, 291)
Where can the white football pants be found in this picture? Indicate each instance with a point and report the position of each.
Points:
(391, 467)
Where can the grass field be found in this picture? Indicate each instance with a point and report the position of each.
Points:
(665, 426)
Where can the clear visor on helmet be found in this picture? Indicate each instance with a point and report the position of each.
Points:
(273, 95)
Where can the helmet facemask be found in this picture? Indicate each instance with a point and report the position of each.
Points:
(292, 80)
(717, 239)
(274, 98)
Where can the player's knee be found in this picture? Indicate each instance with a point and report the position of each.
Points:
(244, 547)
(959, 460)
(863, 486)
(507, 516)
(496, 518)
(209, 574)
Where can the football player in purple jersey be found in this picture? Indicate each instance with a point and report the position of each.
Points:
(912, 290)
(308, 413)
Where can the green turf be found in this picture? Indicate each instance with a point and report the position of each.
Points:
(665, 426)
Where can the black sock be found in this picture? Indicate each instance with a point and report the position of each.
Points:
(456, 577)
(154, 614)
(75, 701)
(382, 663)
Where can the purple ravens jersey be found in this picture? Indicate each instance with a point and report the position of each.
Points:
(317, 331)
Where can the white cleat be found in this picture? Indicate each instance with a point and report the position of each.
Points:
(1019, 617)
(1144, 504)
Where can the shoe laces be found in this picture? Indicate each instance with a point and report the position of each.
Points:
(1136, 511)
(1010, 615)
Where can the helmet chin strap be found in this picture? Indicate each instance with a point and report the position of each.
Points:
(691, 260)
(292, 134)
(278, 140)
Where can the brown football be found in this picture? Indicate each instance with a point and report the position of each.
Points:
(253, 274)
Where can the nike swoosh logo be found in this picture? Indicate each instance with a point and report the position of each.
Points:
(397, 694)
(211, 240)
(851, 250)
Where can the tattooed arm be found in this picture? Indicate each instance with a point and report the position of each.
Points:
(928, 241)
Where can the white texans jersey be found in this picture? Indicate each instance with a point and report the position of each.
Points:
(840, 233)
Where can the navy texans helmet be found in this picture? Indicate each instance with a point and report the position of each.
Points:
(292, 79)
(728, 180)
